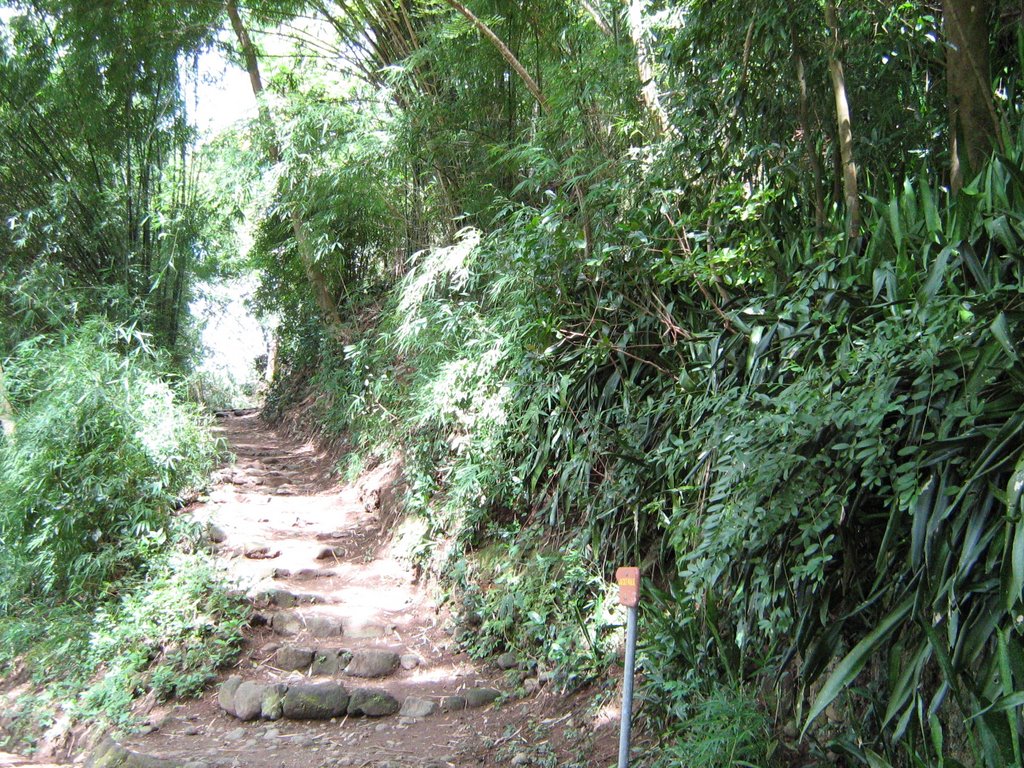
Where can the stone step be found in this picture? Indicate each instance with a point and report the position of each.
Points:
(110, 754)
(294, 623)
(282, 598)
(325, 700)
(303, 574)
(330, 661)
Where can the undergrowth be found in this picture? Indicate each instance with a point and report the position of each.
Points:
(98, 605)
(164, 633)
(103, 452)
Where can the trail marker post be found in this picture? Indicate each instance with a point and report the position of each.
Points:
(629, 596)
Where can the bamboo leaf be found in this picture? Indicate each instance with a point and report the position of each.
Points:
(1001, 331)
(854, 661)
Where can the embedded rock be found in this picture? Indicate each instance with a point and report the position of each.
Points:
(507, 661)
(327, 662)
(324, 626)
(480, 697)
(293, 657)
(330, 553)
(372, 703)
(454, 703)
(286, 624)
(365, 631)
(372, 662)
(417, 707)
(315, 701)
(226, 694)
(249, 700)
(272, 703)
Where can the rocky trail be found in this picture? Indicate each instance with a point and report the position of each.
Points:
(348, 661)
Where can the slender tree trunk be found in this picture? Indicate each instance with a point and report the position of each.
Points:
(598, 17)
(317, 280)
(807, 136)
(6, 412)
(973, 122)
(503, 49)
(648, 86)
(851, 194)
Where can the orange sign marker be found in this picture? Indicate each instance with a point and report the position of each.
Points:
(629, 586)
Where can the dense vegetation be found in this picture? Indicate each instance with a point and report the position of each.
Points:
(103, 236)
(730, 290)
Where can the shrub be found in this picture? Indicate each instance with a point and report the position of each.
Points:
(102, 453)
(166, 633)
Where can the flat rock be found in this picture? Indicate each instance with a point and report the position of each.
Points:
(414, 706)
(226, 694)
(324, 626)
(286, 623)
(308, 574)
(293, 657)
(260, 552)
(372, 702)
(282, 598)
(481, 697)
(249, 700)
(372, 662)
(315, 701)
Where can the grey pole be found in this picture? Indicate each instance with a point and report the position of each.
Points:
(627, 687)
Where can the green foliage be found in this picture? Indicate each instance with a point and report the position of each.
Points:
(727, 729)
(102, 454)
(656, 344)
(166, 632)
(93, 157)
(546, 602)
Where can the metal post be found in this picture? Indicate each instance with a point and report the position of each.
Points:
(629, 596)
(627, 687)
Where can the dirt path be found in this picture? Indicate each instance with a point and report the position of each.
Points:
(338, 615)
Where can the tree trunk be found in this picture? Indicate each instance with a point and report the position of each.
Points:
(598, 17)
(6, 412)
(807, 136)
(503, 49)
(973, 123)
(317, 280)
(851, 195)
(648, 86)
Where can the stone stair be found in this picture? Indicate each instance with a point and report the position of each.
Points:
(343, 650)
(317, 665)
